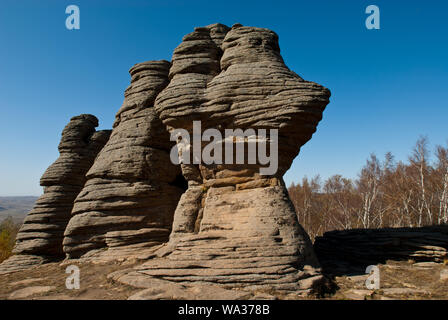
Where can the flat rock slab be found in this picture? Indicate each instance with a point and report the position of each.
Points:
(358, 278)
(425, 264)
(157, 289)
(56, 297)
(25, 282)
(173, 291)
(444, 274)
(403, 291)
(358, 294)
(263, 296)
(30, 291)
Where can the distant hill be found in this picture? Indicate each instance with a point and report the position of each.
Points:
(16, 207)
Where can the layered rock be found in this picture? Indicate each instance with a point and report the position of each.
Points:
(132, 189)
(234, 226)
(40, 237)
(353, 250)
(228, 223)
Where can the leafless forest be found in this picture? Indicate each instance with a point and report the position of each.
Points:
(385, 194)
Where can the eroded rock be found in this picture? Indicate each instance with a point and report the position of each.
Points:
(203, 225)
(132, 188)
(235, 227)
(40, 237)
(342, 250)
(30, 291)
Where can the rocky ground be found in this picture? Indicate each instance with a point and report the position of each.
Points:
(398, 280)
(48, 282)
(402, 280)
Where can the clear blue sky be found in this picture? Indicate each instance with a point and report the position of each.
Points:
(388, 86)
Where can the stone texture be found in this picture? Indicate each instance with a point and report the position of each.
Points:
(21, 262)
(167, 290)
(132, 188)
(26, 282)
(40, 237)
(403, 291)
(359, 248)
(358, 294)
(30, 291)
(173, 291)
(203, 228)
(444, 274)
(234, 227)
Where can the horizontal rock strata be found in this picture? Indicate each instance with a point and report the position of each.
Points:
(235, 227)
(40, 237)
(132, 188)
(228, 225)
(359, 248)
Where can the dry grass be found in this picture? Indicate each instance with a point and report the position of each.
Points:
(8, 232)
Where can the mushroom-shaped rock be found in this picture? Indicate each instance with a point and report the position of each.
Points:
(235, 225)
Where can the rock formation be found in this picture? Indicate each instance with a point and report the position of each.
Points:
(229, 223)
(354, 250)
(132, 189)
(235, 227)
(40, 237)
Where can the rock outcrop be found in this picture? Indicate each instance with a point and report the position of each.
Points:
(223, 217)
(354, 250)
(40, 237)
(132, 189)
(234, 226)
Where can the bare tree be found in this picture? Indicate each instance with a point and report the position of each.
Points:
(442, 184)
(419, 160)
(341, 196)
(369, 188)
(305, 196)
(385, 194)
